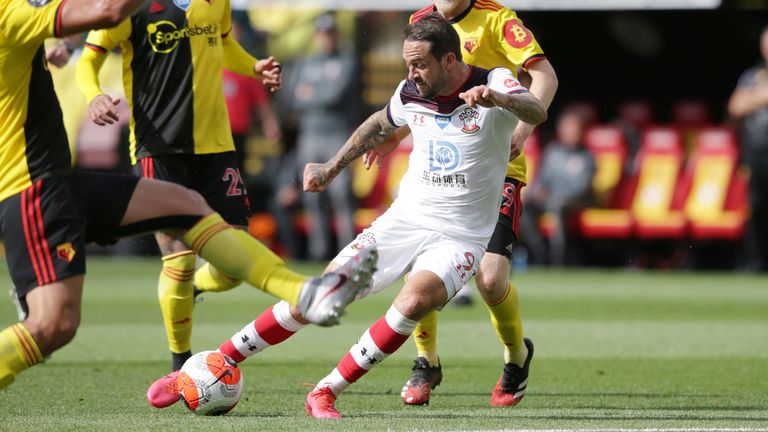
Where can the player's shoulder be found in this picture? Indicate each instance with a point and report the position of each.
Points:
(493, 10)
(421, 13)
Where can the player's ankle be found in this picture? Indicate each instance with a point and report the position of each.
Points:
(517, 356)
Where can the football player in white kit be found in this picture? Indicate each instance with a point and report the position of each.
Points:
(438, 227)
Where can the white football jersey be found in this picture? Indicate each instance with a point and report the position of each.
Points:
(456, 169)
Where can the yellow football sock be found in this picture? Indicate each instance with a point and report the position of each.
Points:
(238, 255)
(174, 289)
(18, 351)
(209, 279)
(425, 336)
(505, 315)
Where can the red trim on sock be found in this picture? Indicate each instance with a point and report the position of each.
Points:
(229, 349)
(269, 329)
(385, 337)
(349, 369)
(28, 352)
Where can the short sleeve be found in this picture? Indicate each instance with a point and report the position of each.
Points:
(105, 40)
(515, 40)
(31, 21)
(395, 109)
(503, 81)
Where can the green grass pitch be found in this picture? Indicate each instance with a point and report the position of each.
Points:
(614, 350)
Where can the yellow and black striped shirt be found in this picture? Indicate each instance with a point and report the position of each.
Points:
(173, 52)
(33, 143)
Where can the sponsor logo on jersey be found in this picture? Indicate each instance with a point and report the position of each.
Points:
(516, 34)
(444, 156)
(510, 83)
(38, 3)
(442, 121)
(418, 119)
(65, 252)
(164, 36)
(448, 181)
(470, 45)
(469, 118)
(182, 4)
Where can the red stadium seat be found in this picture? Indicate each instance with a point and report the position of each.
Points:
(636, 113)
(656, 201)
(607, 220)
(688, 113)
(716, 192)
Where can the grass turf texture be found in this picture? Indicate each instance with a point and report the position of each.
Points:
(613, 350)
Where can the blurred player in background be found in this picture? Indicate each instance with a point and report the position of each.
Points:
(749, 105)
(48, 212)
(173, 56)
(491, 36)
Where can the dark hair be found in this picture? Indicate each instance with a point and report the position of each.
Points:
(440, 34)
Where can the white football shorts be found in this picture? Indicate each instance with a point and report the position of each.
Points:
(404, 247)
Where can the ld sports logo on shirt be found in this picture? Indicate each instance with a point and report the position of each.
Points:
(164, 36)
(444, 156)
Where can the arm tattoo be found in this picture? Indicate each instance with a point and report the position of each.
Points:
(526, 107)
(374, 130)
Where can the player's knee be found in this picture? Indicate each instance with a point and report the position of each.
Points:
(486, 282)
(415, 307)
(490, 285)
(188, 201)
(54, 331)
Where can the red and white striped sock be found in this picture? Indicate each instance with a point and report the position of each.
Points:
(377, 343)
(273, 326)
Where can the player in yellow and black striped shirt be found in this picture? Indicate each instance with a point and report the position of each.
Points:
(491, 36)
(174, 52)
(48, 213)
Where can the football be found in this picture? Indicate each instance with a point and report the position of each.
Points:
(210, 383)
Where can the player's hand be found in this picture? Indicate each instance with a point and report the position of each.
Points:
(269, 70)
(380, 151)
(480, 95)
(102, 110)
(58, 55)
(317, 176)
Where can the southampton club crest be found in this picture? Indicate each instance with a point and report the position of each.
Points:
(469, 118)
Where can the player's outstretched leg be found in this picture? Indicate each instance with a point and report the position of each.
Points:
(272, 327)
(513, 382)
(322, 301)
